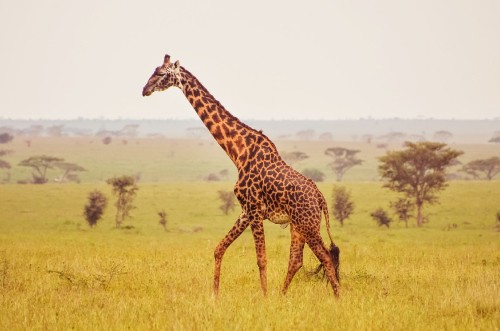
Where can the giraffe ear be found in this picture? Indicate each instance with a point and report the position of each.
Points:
(166, 59)
(177, 64)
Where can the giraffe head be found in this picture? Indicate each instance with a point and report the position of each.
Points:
(165, 76)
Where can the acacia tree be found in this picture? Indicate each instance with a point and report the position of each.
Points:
(4, 164)
(343, 160)
(294, 157)
(418, 171)
(342, 204)
(68, 171)
(488, 167)
(125, 189)
(314, 174)
(40, 164)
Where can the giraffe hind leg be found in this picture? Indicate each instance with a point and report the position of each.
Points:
(325, 258)
(237, 229)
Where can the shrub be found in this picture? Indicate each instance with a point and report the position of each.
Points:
(5, 138)
(342, 204)
(95, 207)
(163, 218)
(228, 201)
(381, 217)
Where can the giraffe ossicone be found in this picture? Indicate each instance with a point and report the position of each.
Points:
(266, 188)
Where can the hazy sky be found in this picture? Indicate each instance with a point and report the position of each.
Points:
(262, 59)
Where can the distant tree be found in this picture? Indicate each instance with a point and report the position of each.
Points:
(367, 138)
(107, 140)
(94, 209)
(403, 207)
(342, 204)
(495, 138)
(442, 136)
(228, 200)
(68, 171)
(305, 134)
(163, 218)
(34, 130)
(393, 136)
(129, 130)
(419, 172)
(224, 173)
(55, 130)
(488, 167)
(40, 164)
(326, 136)
(381, 217)
(294, 157)
(343, 160)
(4, 152)
(211, 177)
(416, 137)
(382, 146)
(5, 137)
(125, 189)
(4, 164)
(314, 174)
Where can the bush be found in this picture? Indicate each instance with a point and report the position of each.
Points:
(228, 201)
(95, 207)
(342, 204)
(163, 218)
(381, 217)
(5, 138)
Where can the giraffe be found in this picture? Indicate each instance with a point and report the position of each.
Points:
(267, 187)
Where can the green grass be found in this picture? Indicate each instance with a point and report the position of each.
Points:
(56, 273)
(159, 160)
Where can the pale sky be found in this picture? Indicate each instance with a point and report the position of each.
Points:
(261, 59)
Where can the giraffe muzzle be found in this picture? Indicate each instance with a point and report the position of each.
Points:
(146, 91)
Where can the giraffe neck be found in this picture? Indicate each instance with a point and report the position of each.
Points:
(230, 133)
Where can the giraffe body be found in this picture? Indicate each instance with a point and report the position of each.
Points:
(267, 187)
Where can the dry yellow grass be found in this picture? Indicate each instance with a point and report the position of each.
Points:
(57, 274)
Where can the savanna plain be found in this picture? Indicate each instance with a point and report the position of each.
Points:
(57, 273)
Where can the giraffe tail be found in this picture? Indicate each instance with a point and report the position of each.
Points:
(334, 251)
(324, 208)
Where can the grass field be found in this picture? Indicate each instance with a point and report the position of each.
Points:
(58, 274)
(158, 160)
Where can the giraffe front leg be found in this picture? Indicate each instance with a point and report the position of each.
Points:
(296, 256)
(237, 229)
(260, 247)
